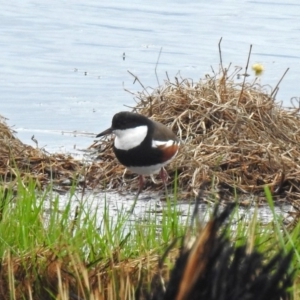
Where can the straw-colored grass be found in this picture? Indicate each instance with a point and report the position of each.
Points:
(234, 134)
(73, 258)
(46, 250)
(43, 274)
(18, 159)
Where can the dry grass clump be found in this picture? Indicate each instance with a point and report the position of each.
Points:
(20, 160)
(233, 134)
(69, 277)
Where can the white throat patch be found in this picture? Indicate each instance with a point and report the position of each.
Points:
(129, 138)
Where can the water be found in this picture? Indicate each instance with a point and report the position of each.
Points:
(62, 66)
(149, 208)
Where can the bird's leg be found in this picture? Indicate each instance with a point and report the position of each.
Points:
(164, 177)
(141, 186)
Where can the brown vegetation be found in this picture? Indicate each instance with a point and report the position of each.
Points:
(17, 158)
(233, 134)
(209, 266)
(68, 277)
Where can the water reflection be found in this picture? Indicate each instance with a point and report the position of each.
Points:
(149, 208)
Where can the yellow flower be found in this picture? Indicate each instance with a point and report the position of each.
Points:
(258, 69)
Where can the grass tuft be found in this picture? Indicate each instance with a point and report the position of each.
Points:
(51, 250)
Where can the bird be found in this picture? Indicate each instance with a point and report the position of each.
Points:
(142, 145)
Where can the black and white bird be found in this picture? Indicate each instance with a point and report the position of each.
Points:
(142, 145)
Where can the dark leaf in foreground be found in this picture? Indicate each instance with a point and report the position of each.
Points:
(214, 269)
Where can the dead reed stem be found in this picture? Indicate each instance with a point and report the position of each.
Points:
(233, 134)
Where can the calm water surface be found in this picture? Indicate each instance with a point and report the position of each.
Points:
(149, 209)
(62, 67)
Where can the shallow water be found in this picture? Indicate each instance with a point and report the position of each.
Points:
(149, 208)
(62, 65)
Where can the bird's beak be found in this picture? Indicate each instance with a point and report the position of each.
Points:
(105, 132)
